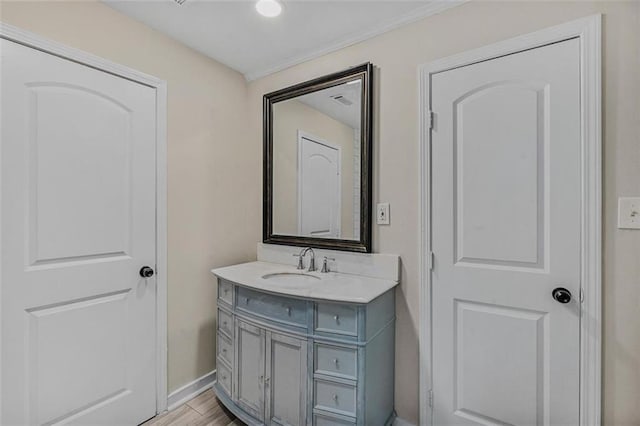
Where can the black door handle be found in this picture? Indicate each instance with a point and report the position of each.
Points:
(561, 295)
(146, 272)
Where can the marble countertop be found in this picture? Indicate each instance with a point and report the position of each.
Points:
(336, 287)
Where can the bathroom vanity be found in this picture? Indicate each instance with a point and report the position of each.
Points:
(302, 348)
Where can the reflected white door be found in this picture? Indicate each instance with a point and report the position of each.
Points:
(78, 223)
(506, 232)
(318, 188)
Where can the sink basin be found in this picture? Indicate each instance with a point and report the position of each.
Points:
(291, 279)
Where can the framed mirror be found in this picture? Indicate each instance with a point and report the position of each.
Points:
(317, 162)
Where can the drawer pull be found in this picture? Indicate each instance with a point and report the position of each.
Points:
(224, 377)
(224, 350)
(337, 318)
(289, 310)
(224, 323)
(246, 300)
(335, 397)
(226, 290)
(335, 361)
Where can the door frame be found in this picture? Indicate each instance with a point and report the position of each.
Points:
(306, 135)
(43, 44)
(588, 31)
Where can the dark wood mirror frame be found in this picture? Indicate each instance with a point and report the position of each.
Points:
(364, 72)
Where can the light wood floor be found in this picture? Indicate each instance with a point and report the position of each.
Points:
(203, 410)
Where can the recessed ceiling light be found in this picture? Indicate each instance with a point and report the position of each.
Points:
(269, 8)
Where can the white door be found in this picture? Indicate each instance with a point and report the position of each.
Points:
(505, 234)
(77, 224)
(318, 188)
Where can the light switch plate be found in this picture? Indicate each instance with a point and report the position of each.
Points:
(382, 214)
(629, 212)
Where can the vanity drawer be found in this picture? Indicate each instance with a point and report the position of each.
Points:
(225, 291)
(336, 318)
(335, 397)
(336, 361)
(225, 348)
(323, 420)
(224, 377)
(272, 307)
(225, 322)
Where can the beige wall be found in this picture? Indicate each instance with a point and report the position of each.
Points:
(289, 117)
(207, 213)
(397, 55)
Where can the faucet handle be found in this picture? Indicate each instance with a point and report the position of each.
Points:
(299, 256)
(325, 267)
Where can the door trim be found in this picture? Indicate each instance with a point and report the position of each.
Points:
(588, 31)
(37, 42)
(306, 135)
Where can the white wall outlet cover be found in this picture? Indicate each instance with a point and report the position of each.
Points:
(382, 214)
(629, 212)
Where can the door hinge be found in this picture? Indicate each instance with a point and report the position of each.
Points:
(430, 119)
(430, 260)
(430, 398)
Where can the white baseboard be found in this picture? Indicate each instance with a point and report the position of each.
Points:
(401, 422)
(190, 390)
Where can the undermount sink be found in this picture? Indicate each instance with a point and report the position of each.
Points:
(291, 279)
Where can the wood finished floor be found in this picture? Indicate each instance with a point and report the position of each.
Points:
(203, 410)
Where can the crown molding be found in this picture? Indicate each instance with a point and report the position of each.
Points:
(431, 8)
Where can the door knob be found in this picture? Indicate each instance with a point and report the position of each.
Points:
(561, 295)
(146, 272)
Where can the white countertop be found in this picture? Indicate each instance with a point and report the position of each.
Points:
(331, 286)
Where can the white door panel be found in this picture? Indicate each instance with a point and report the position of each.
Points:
(319, 188)
(505, 233)
(78, 222)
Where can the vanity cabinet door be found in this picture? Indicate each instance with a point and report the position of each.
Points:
(250, 361)
(286, 385)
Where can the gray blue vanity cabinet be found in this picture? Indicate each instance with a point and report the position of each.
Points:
(285, 360)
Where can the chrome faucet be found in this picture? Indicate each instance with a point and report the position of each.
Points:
(300, 264)
(312, 262)
(325, 266)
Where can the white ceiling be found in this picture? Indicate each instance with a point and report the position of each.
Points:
(233, 33)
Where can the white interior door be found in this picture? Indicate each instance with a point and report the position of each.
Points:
(78, 223)
(506, 233)
(318, 188)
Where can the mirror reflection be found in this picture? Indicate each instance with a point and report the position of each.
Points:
(316, 163)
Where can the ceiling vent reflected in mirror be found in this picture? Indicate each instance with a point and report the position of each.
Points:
(341, 99)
